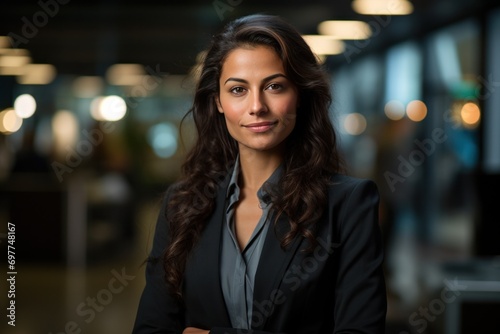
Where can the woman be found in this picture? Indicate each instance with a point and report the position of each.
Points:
(264, 232)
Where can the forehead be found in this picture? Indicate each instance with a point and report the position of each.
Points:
(252, 60)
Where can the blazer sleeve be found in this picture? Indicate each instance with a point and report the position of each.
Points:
(158, 312)
(361, 302)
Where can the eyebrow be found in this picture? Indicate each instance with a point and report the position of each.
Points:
(271, 77)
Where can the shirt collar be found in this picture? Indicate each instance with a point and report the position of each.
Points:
(233, 182)
(263, 193)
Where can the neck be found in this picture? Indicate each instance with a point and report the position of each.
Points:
(257, 166)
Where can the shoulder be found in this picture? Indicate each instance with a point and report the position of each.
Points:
(167, 195)
(353, 205)
(347, 194)
(342, 185)
(169, 191)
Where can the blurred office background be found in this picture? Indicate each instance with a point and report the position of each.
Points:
(91, 98)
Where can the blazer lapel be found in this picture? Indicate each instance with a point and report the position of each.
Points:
(273, 264)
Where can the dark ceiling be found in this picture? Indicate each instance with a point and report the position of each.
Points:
(86, 37)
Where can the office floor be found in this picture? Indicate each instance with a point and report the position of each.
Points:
(54, 300)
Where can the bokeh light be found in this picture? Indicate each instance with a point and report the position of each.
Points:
(108, 108)
(394, 110)
(65, 130)
(416, 110)
(470, 114)
(10, 122)
(25, 105)
(163, 139)
(355, 124)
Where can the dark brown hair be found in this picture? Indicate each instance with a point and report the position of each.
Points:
(310, 159)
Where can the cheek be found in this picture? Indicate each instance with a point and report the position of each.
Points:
(231, 109)
(232, 121)
(232, 117)
(288, 113)
(285, 104)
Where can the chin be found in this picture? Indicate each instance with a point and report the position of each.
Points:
(264, 147)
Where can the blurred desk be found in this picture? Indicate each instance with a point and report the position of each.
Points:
(471, 297)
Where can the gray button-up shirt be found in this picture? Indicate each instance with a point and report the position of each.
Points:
(238, 267)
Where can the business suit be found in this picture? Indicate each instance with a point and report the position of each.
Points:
(337, 288)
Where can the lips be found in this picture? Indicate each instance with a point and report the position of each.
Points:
(260, 126)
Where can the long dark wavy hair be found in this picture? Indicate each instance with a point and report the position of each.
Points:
(311, 155)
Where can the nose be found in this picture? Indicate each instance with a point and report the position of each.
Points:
(257, 103)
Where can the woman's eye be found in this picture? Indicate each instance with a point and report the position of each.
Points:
(275, 86)
(237, 90)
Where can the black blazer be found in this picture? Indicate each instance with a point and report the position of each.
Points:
(339, 287)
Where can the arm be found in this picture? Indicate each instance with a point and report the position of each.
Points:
(360, 303)
(158, 312)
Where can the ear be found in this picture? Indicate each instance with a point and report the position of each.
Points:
(219, 106)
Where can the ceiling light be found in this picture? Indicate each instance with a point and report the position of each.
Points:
(14, 61)
(13, 52)
(382, 7)
(12, 70)
(37, 74)
(345, 29)
(4, 42)
(324, 45)
(125, 74)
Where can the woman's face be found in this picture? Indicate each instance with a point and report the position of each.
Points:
(258, 101)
